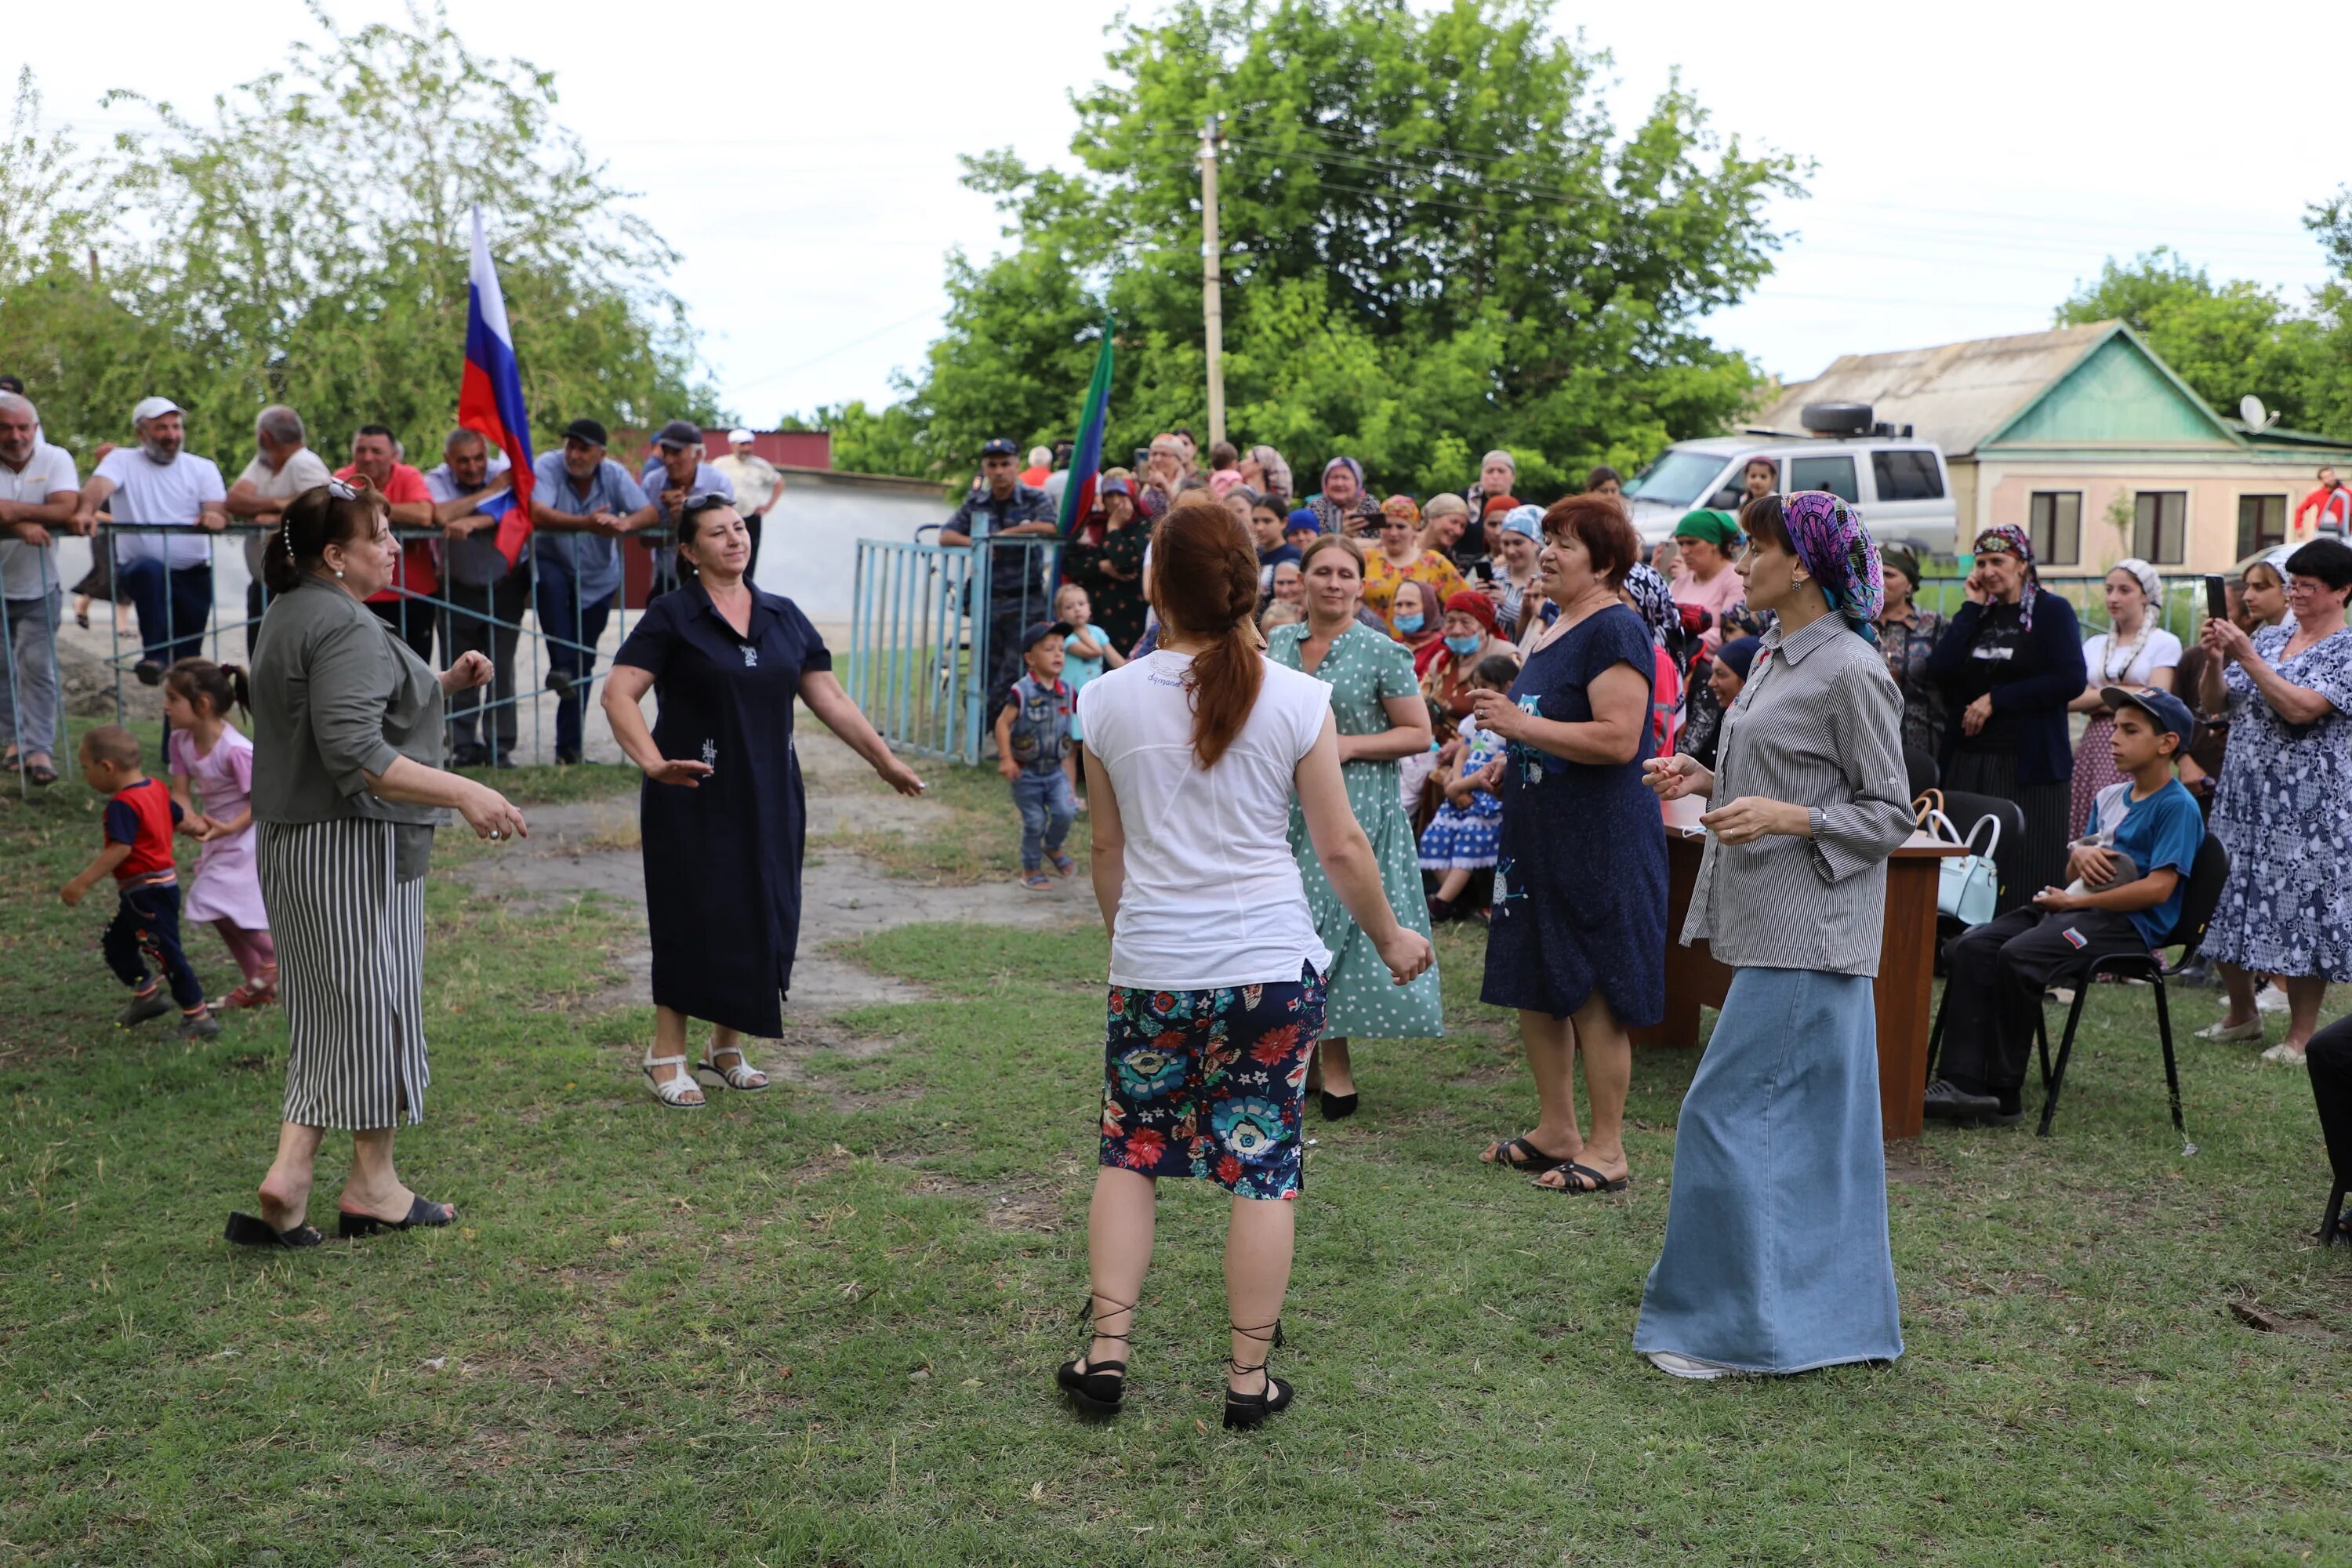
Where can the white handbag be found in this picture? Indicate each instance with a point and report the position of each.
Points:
(1968, 886)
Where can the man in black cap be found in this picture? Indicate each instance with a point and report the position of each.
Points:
(1002, 508)
(581, 504)
(675, 471)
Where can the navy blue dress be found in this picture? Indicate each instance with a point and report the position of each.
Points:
(723, 861)
(1581, 885)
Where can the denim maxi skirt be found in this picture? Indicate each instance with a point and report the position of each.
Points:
(1776, 1257)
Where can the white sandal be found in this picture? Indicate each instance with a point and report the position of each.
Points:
(734, 1076)
(673, 1091)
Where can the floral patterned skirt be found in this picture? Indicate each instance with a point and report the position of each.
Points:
(1210, 1083)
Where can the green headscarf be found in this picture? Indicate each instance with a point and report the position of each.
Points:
(1719, 529)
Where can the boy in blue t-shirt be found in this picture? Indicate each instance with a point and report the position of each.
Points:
(2132, 874)
(1033, 732)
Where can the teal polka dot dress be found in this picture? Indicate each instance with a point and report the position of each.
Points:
(1361, 668)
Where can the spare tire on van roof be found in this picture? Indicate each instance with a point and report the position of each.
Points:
(1836, 418)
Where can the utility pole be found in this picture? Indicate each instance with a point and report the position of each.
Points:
(1212, 308)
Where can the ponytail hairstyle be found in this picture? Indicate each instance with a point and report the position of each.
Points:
(332, 513)
(201, 683)
(1204, 585)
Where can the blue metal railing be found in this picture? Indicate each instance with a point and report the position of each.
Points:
(930, 635)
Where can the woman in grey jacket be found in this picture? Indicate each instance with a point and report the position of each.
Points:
(346, 785)
(1776, 1257)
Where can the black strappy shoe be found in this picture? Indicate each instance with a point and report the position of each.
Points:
(245, 1230)
(423, 1214)
(1247, 1411)
(1095, 1388)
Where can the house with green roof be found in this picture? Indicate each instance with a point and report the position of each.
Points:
(2085, 438)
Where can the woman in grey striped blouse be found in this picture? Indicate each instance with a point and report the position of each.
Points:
(346, 785)
(1776, 1257)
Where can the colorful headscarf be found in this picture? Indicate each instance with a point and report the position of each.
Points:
(2008, 539)
(1350, 464)
(1405, 507)
(1525, 520)
(1840, 554)
(1476, 605)
(1654, 601)
(2151, 584)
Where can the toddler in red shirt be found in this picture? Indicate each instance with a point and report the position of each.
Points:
(139, 815)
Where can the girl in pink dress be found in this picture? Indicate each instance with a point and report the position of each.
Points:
(207, 752)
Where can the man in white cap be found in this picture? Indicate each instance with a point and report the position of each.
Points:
(168, 576)
(758, 487)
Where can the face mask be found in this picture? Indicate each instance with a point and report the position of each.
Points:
(1466, 647)
(1411, 623)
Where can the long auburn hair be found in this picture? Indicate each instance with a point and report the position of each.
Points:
(1204, 583)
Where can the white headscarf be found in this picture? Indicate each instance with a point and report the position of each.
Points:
(2151, 585)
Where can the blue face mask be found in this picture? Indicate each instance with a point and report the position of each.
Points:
(1466, 647)
(1411, 623)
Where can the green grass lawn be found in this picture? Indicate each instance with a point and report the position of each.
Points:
(818, 1325)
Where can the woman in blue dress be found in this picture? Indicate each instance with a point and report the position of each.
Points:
(1578, 940)
(1776, 1257)
(721, 815)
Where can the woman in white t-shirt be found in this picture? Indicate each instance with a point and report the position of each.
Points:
(2133, 652)
(1194, 752)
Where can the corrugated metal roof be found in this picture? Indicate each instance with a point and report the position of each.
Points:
(1954, 394)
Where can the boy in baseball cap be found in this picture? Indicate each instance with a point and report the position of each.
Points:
(1033, 733)
(2129, 875)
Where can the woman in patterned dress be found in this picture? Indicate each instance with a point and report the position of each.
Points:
(1907, 636)
(2284, 808)
(1382, 717)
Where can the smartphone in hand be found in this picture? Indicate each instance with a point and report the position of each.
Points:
(2217, 597)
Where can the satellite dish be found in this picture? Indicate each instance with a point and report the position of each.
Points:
(2256, 417)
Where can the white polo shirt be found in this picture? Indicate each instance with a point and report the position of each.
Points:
(28, 572)
(173, 492)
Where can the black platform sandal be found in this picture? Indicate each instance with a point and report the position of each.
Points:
(246, 1230)
(423, 1214)
(1247, 1411)
(1095, 1388)
(1337, 1107)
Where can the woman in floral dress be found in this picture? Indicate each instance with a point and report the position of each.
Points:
(1382, 717)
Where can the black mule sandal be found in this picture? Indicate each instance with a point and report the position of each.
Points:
(1095, 1387)
(1246, 1412)
(246, 1230)
(1520, 1154)
(1581, 1179)
(422, 1216)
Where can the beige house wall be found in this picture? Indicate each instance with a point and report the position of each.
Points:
(2003, 487)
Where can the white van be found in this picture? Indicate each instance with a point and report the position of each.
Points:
(1900, 484)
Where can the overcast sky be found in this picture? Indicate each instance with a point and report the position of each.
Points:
(1974, 161)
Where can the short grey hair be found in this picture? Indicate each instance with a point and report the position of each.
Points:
(462, 437)
(17, 402)
(281, 424)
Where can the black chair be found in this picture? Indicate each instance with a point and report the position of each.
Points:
(2197, 905)
(2330, 1058)
(1923, 772)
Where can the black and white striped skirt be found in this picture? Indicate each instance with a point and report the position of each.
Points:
(351, 971)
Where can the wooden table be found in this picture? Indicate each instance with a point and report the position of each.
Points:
(1907, 967)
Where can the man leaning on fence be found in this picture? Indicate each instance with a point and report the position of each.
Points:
(38, 499)
(283, 466)
(583, 503)
(487, 594)
(675, 471)
(168, 576)
(1003, 508)
(405, 606)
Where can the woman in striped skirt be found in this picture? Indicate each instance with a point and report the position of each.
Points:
(346, 785)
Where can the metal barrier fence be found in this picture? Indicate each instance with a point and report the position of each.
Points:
(178, 614)
(932, 636)
(2182, 614)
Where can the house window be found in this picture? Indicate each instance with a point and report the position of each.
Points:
(2160, 526)
(1835, 475)
(1907, 474)
(2055, 524)
(2261, 523)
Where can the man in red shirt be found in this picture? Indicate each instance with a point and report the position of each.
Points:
(376, 456)
(2333, 501)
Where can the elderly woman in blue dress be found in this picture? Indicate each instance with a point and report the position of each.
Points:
(1776, 1257)
(2284, 808)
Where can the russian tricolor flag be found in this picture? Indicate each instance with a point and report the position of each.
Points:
(489, 398)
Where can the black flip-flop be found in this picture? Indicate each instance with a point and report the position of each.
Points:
(42, 775)
(1519, 1154)
(1575, 1172)
(422, 1216)
(245, 1230)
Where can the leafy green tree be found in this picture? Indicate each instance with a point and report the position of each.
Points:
(2331, 222)
(309, 245)
(1435, 243)
(888, 440)
(2226, 339)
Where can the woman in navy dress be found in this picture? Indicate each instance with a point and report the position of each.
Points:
(1577, 940)
(723, 816)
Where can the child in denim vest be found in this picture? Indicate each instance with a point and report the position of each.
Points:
(1032, 733)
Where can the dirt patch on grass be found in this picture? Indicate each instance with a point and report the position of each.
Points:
(1003, 1205)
